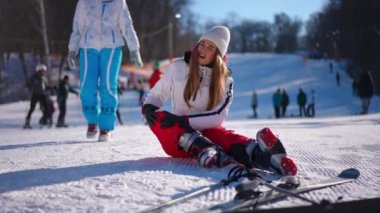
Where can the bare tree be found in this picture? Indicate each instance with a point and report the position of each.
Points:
(287, 31)
(43, 30)
(349, 29)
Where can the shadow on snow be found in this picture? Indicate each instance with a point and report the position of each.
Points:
(20, 180)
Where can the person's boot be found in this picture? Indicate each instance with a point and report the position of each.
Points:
(92, 131)
(64, 123)
(267, 152)
(43, 121)
(27, 124)
(105, 135)
(61, 125)
(208, 154)
(214, 157)
(50, 123)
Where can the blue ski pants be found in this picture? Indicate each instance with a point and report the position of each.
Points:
(99, 72)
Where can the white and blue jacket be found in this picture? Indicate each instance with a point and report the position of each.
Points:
(102, 24)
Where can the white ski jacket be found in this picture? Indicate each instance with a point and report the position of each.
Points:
(171, 86)
(102, 24)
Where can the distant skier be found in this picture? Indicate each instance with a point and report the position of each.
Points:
(141, 84)
(47, 117)
(64, 88)
(354, 87)
(276, 99)
(38, 85)
(120, 91)
(254, 103)
(284, 102)
(310, 111)
(157, 73)
(337, 77)
(301, 101)
(200, 88)
(365, 90)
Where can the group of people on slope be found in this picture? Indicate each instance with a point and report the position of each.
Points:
(199, 87)
(40, 93)
(305, 109)
(280, 103)
(362, 86)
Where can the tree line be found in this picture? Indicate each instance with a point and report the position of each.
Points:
(342, 29)
(348, 29)
(281, 36)
(22, 30)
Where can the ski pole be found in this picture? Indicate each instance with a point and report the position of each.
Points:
(234, 174)
(288, 192)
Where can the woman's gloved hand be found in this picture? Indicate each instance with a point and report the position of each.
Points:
(149, 111)
(170, 120)
(71, 59)
(136, 58)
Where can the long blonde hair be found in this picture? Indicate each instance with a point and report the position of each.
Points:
(217, 86)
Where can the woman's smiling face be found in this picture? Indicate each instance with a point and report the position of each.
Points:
(206, 52)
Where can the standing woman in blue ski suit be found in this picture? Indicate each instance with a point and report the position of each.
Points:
(99, 27)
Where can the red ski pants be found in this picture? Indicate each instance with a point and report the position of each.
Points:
(169, 137)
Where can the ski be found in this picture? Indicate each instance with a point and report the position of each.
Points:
(247, 203)
(234, 175)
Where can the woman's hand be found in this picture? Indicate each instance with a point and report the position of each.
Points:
(170, 120)
(71, 59)
(149, 111)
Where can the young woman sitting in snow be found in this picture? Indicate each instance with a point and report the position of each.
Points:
(200, 88)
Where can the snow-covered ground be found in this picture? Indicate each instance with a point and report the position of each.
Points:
(59, 170)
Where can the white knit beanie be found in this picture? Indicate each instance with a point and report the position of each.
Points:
(220, 36)
(41, 67)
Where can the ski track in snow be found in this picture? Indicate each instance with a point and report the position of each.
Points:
(58, 170)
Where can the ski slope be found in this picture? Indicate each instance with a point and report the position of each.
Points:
(59, 170)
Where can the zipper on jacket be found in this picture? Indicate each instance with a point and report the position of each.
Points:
(113, 36)
(85, 36)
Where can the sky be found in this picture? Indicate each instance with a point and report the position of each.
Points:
(262, 10)
(59, 170)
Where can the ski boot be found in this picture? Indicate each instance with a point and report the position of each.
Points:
(208, 154)
(27, 124)
(267, 152)
(105, 135)
(61, 125)
(92, 131)
(49, 123)
(42, 122)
